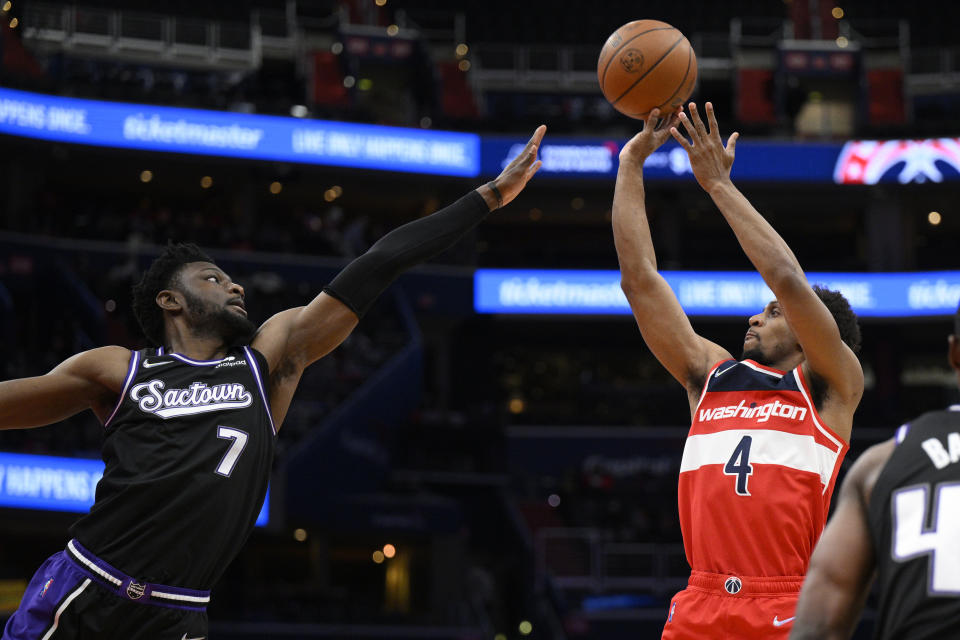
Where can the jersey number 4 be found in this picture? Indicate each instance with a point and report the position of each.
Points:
(739, 465)
(912, 538)
(239, 441)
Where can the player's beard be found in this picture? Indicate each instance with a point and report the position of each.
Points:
(209, 320)
(756, 354)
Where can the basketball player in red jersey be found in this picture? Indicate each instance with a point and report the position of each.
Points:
(768, 431)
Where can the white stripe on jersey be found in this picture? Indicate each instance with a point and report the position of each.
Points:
(761, 369)
(799, 452)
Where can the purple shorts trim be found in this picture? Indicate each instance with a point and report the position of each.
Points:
(129, 588)
(51, 591)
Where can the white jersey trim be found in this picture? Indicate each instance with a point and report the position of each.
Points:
(196, 363)
(93, 567)
(800, 452)
(63, 607)
(813, 411)
(760, 369)
(263, 393)
(177, 596)
(131, 374)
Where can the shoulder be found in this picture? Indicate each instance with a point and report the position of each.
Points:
(863, 475)
(846, 387)
(106, 366)
(699, 381)
(99, 360)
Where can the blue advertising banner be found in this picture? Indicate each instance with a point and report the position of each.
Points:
(51, 483)
(710, 293)
(599, 158)
(220, 133)
(365, 146)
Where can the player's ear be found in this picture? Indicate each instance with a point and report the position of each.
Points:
(953, 352)
(169, 300)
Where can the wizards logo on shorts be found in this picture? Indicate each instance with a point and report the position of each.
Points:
(46, 586)
(903, 161)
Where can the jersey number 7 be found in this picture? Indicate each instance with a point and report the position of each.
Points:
(230, 458)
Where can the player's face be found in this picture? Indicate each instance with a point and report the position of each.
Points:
(215, 303)
(769, 338)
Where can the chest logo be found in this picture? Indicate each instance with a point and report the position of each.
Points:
(153, 397)
(753, 411)
(150, 365)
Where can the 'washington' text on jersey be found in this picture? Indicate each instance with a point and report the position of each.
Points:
(760, 413)
(197, 398)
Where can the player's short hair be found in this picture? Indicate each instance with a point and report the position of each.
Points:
(844, 316)
(164, 273)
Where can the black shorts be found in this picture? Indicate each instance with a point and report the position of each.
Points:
(66, 599)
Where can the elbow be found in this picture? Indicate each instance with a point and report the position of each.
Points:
(631, 285)
(786, 279)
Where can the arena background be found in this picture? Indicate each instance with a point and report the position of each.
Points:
(449, 472)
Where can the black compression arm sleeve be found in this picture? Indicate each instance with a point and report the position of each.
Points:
(361, 281)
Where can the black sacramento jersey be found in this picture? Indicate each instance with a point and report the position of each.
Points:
(188, 451)
(915, 524)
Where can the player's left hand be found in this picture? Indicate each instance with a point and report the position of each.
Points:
(709, 159)
(640, 146)
(517, 174)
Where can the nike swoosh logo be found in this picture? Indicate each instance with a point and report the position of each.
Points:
(147, 365)
(780, 623)
(720, 373)
(197, 638)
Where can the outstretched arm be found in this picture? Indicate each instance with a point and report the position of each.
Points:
(811, 321)
(663, 324)
(295, 338)
(842, 565)
(89, 380)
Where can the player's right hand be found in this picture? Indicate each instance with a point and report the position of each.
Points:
(639, 148)
(517, 174)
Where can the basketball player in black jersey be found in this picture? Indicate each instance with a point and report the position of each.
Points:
(898, 518)
(189, 428)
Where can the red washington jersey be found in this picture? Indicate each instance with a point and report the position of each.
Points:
(758, 470)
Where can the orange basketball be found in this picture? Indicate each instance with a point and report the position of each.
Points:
(646, 64)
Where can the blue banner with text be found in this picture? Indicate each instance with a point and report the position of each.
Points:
(50, 483)
(710, 293)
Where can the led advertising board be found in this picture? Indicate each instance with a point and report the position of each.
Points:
(50, 483)
(710, 293)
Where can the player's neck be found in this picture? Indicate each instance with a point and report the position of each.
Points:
(195, 347)
(789, 363)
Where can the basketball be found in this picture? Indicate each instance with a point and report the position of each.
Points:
(646, 64)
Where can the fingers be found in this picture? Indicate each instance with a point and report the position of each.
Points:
(537, 136)
(532, 170)
(679, 138)
(689, 129)
(697, 122)
(712, 119)
(732, 142)
(650, 122)
(674, 119)
(529, 153)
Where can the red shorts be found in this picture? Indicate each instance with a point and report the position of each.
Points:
(726, 607)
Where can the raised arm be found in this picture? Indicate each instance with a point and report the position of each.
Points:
(811, 322)
(295, 338)
(842, 567)
(89, 380)
(662, 322)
